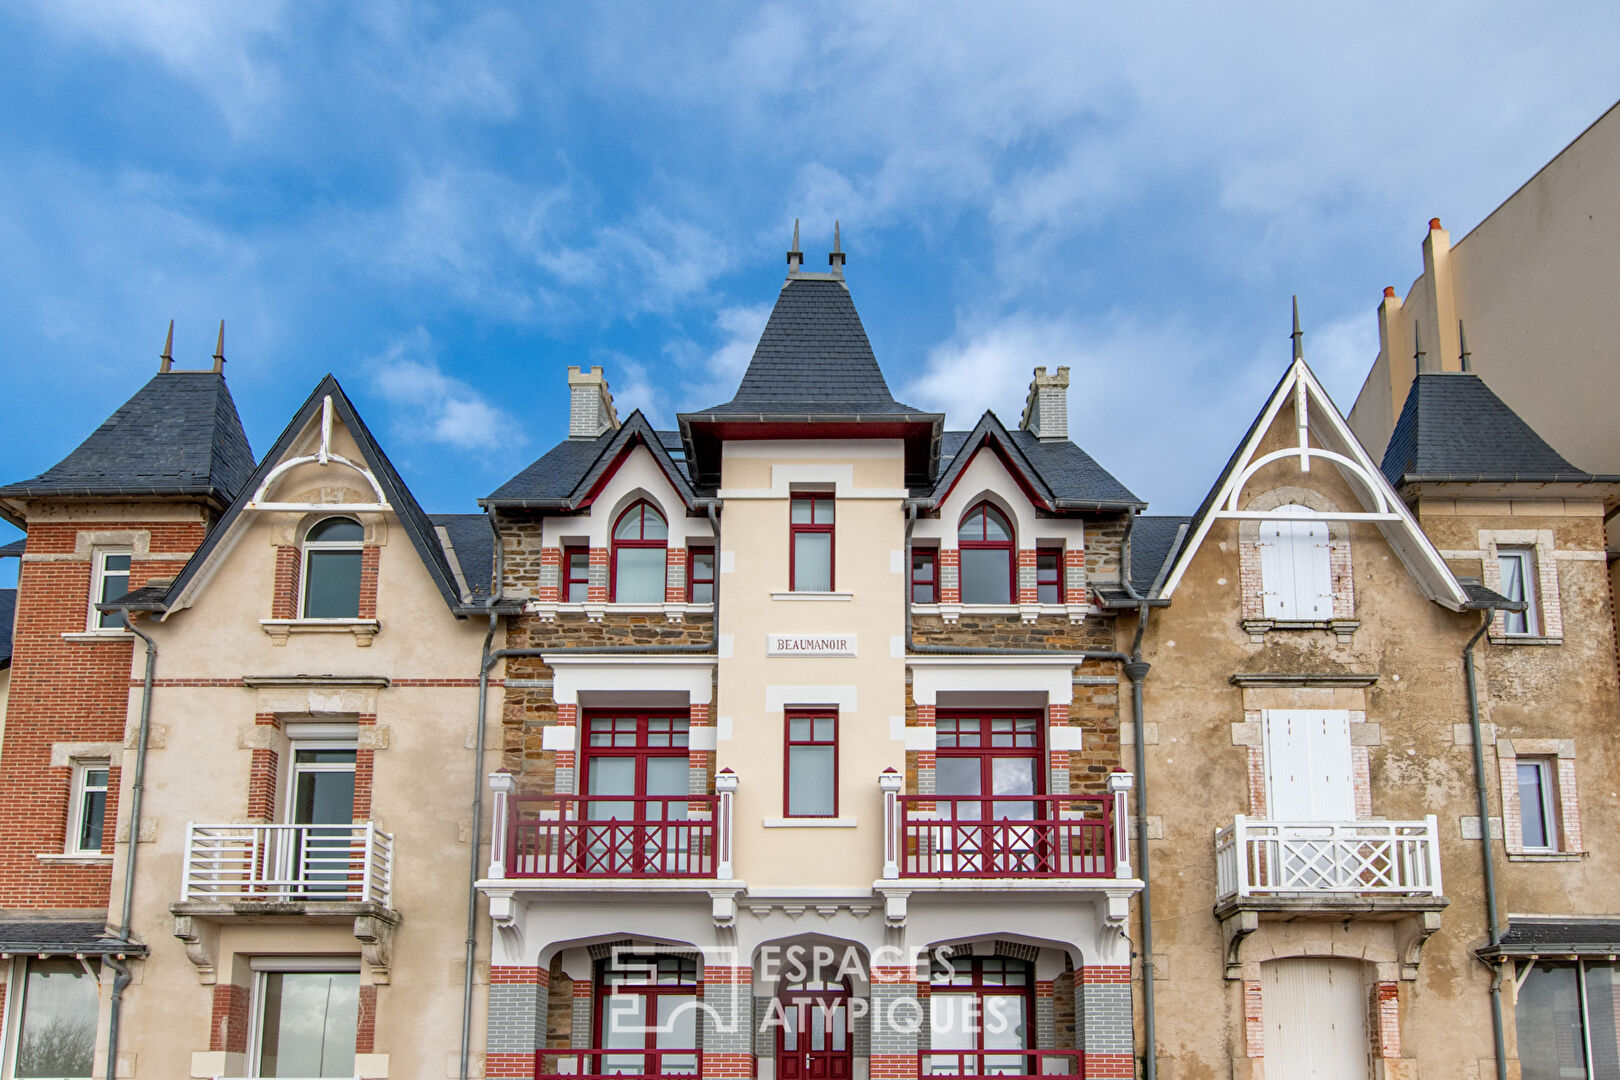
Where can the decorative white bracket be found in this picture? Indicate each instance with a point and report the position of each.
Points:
(323, 457)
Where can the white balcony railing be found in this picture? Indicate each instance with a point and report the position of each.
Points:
(341, 863)
(1286, 858)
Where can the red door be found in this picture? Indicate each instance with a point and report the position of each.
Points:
(813, 1042)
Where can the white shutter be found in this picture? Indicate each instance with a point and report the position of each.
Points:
(1314, 1013)
(1296, 569)
(1277, 571)
(1313, 571)
(1308, 775)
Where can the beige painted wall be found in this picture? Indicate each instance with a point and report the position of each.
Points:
(1418, 767)
(199, 766)
(869, 538)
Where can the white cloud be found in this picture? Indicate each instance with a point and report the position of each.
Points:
(436, 406)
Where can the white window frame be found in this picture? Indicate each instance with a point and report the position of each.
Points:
(1548, 768)
(266, 965)
(323, 740)
(16, 985)
(1525, 556)
(306, 546)
(81, 769)
(98, 575)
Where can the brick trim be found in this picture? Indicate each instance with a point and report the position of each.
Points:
(1386, 1001)
(228, 1024)
(284, 598)
(365, 1032)
(1254, 1027)
(370, 560)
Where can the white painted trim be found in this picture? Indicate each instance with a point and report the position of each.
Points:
(693, 675)
(809, 823)
(1065, 738)
(778, 698)
(1052, 675)
(836, 597)
(702, 738)
(778, 449)
(559, 737)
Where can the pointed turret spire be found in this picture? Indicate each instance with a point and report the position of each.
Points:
(795, 257)
(836, 258)
(166, 357)
(1417, 345)
(1298, 335)
(1464, 356)
(219, 349)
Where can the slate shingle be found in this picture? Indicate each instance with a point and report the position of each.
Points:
(56, 938)
(556, 473)
(179, 435)
(1153, 540)
(8, 616)
(473, 539)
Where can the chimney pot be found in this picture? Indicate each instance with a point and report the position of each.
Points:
(590, 404)
(1046, 409)
(1434, 223)
(1389, 291)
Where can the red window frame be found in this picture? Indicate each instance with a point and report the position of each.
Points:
(646, 724)
(983, 543)
(1052, 580)
(815, 499)
(789, 742)
(977, 984)
(569, 579)
(641, 542)
(692, 579)
(1001, 744)
(928, 557)
(681, 984)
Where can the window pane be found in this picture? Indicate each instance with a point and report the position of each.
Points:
(1049, 594)
(801, 511)
(953, 1022)
(323, 798)
(822, 511)
(957, 776)
(1603, 1017)
(810, 781)
(332, 585)
(812, 562)
(639, 576)
(114, 586)
(822, 731)
(985, 524)
(1532, 805)
(57, 1036)
(337, 530)
(309, 1023)
(799, 728)
(1548, 1018)
(92, 815)
(703, 592)
(986, 576)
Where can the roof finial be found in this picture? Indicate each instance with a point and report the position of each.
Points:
(836, 258)
(795, 256)
(1417, 345)
(219, 349)
(1297, 335)
(166, 357)
(1462, 341)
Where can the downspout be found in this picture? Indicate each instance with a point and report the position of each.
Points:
(121, 973)
(1488, 864)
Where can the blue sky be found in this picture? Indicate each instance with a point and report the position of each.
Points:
(446, 205)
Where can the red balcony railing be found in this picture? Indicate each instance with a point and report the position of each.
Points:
(976, 1063)
(591, 1064)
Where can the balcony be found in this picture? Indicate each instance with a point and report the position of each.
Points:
(288, 863)
(1305, 860)
(593, 1064)
(1023, 837)
(601, 837)
(970, 1064)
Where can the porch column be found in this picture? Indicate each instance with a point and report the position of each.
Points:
(516, 1025)
(1106, 1035)
(897, 1022)
(728, 1022)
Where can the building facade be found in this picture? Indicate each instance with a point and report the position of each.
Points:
(812, 740)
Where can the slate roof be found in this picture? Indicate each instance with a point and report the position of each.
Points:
(1059, 471)
(1561, 936)
(8, 615)
(564, 476)
(473, 538)
(54, 938)
(813, 359)
(1479, 597)
(14, 549)
(179, 435)
(1153, 544)
(1453, 428)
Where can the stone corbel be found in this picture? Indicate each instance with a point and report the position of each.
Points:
(1344, 628)
(950, 613)
(723, 906)
(1235, 927)
(376, 937)
(1411, 934)
(503, 913)
(675, 613)
(201, 939)
(1028, 613)
(1077, 613)
(594, 612)
(363, 633)
(1256, 629)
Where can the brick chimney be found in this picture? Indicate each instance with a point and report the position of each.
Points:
(590, 405)
(1046, 410)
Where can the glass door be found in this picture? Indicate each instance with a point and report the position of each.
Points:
(983, 763)
(635, 793)
(307, 1022)
(322, 860)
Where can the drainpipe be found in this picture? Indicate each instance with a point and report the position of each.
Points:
(1487, 857)
(121, 973)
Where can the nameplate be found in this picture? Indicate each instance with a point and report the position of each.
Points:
(809, 644)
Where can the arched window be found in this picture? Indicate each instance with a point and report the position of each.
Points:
(332, 569)
(640, 537)
(986, 542)
(1296, 570)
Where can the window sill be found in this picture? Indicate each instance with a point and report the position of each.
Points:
(1546, 856)
(1257, 629)
(836, 597)
(810, 823)
(362, 629)
(99, 635)
(546, 610)
(1514, 639)
(1027, 612)
(87, 858)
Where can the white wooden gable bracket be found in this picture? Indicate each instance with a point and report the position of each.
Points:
(1336, 443)
(323, 456)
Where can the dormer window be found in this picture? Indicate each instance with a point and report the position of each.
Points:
(331, 579)
(640, 539)
(1296, 567)
(987, 565)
